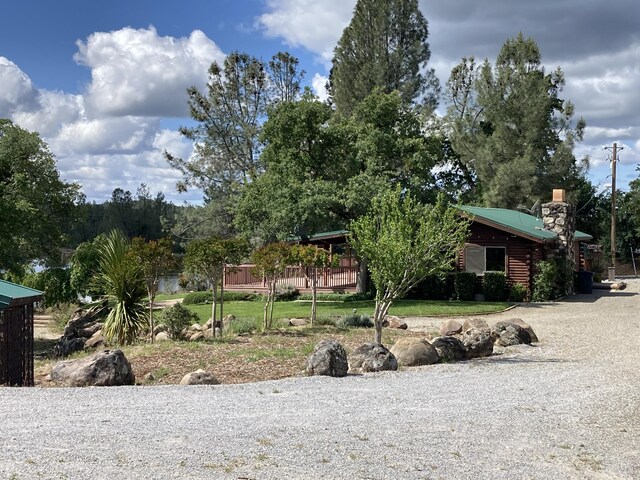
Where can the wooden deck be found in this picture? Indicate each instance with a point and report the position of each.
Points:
(337, 279)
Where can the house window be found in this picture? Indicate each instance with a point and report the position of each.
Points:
(480, 259)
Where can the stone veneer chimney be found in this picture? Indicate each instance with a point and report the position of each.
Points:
(559, 217)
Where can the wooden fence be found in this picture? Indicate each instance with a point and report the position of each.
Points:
(16, 346)
(329, 279)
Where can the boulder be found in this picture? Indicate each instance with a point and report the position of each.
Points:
(162, 337)
(97, 341)
(199, 377)
(450, 327)
(195, 336)
(526, 326)
(391, 321)
(478, 342)
(196, 327)
(411, 352)
(105, 368)
(65, 346)
(88, 331)
(507, 334)
(298, 322)
(159, 329)
(226, 321)
(328, 358)
(449, 348)
(372, 357)
(474, 323)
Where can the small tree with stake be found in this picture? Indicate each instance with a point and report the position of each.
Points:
(404, 241)
(311, 259)
(271, 262)
(155, 259)
(209, 258)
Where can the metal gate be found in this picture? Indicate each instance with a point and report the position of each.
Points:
(16, 345)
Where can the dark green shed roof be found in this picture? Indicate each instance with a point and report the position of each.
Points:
(12, 295)
(519, 223)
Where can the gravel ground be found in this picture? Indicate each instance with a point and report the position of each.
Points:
(567, 408)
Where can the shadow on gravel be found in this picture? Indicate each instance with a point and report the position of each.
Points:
(517, 360)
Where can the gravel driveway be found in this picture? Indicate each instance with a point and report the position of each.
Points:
(567, 408)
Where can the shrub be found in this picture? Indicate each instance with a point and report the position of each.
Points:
(545, 281)
(338, 297)
(359, 297)
(433, 287)
(286, 292)
(325, 321)
(465, 285)
(56, 285)
(356, 320)
(198, 298)
(176, 318)
(494, 286)
(243, 326)
(518, 292)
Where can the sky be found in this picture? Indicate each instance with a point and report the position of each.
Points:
(104, 83)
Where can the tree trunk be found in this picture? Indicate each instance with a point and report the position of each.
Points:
(273, 299)
(213, 312)
(266, 311)
(382, 307)
(221, 301)
(314, 297)
(363, 276)
(151, 325)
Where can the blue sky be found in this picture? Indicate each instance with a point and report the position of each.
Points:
(104, 82)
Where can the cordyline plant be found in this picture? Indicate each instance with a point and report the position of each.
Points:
(313, 261)
(403, 242)
(271, 261)
(209, 258)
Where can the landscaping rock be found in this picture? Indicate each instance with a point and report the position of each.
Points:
(411, 352)
(508, 334)
(97, 341)
(450, 327)
(195, 336)
(159, 329)
(65, 346)
(328, 358)
(391, 321)
(163, 337)
(298, 322)
(196, 327)
(228, 320)
(88, 331)
(449, 348)
(372, 357)
(526, 326)
(105, 368)
(199, 377)
(474, 323)
(478, 342)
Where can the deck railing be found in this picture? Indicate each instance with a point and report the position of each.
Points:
(335, 278)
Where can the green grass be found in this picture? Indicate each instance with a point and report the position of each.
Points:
(402, 308)
(169, 296)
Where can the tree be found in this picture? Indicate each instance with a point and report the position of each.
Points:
(36, 204)
(209, 258)
(312, 261)
(122, 280)
(270, 263)
(84, 265)
(156, 259)
(404, 241)
(511, 129)
(384, 46)
(284, 77)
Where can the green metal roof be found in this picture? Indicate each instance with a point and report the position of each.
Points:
(320, 236)
(12, 294)
(519, 223)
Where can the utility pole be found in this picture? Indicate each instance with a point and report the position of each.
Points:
(614, 159)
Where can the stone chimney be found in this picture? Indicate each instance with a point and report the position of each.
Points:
(559, 217)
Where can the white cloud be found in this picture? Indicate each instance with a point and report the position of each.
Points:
(318, 83)
(311, 24)
(138, 72)
(16, 89)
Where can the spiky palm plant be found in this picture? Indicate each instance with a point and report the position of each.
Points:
(121, 278)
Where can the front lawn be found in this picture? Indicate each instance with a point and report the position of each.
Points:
(401, 308)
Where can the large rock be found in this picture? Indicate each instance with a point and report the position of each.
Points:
(450, 327)
(228, 320)
(199, 377)
(196, 336)
(105, 368)
(478, 342)
(474, 323)
(508, 334)
(162, 337)
(526, 326)
(449, 348)
(298, 322)
(391, 321)
(411, 352)
(372, 357)
(97, 341)
(65, 346)
(328, 358)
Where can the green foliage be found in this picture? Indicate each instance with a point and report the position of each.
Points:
(123, 283)
(84, 266)
(518, 292)
(465, 285)
(511, 129)
(55, 283)
(61, 313)
(286, 293)
(176, 318)
(355, 320)
(198, 298)
(545, 282)
(494, 286)
(242, 326)
(403, 241)
(385, 46)
(433, 287)
(36, 205)
(337, 297)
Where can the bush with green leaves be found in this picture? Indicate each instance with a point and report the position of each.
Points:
(355, 320)
(286, 293)
(545, 282)
(433, 287)
(176, 318)
(243, 326)
(56, 285)
(518, 292)
(465, 285)
(200, 298)
(494, 286)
